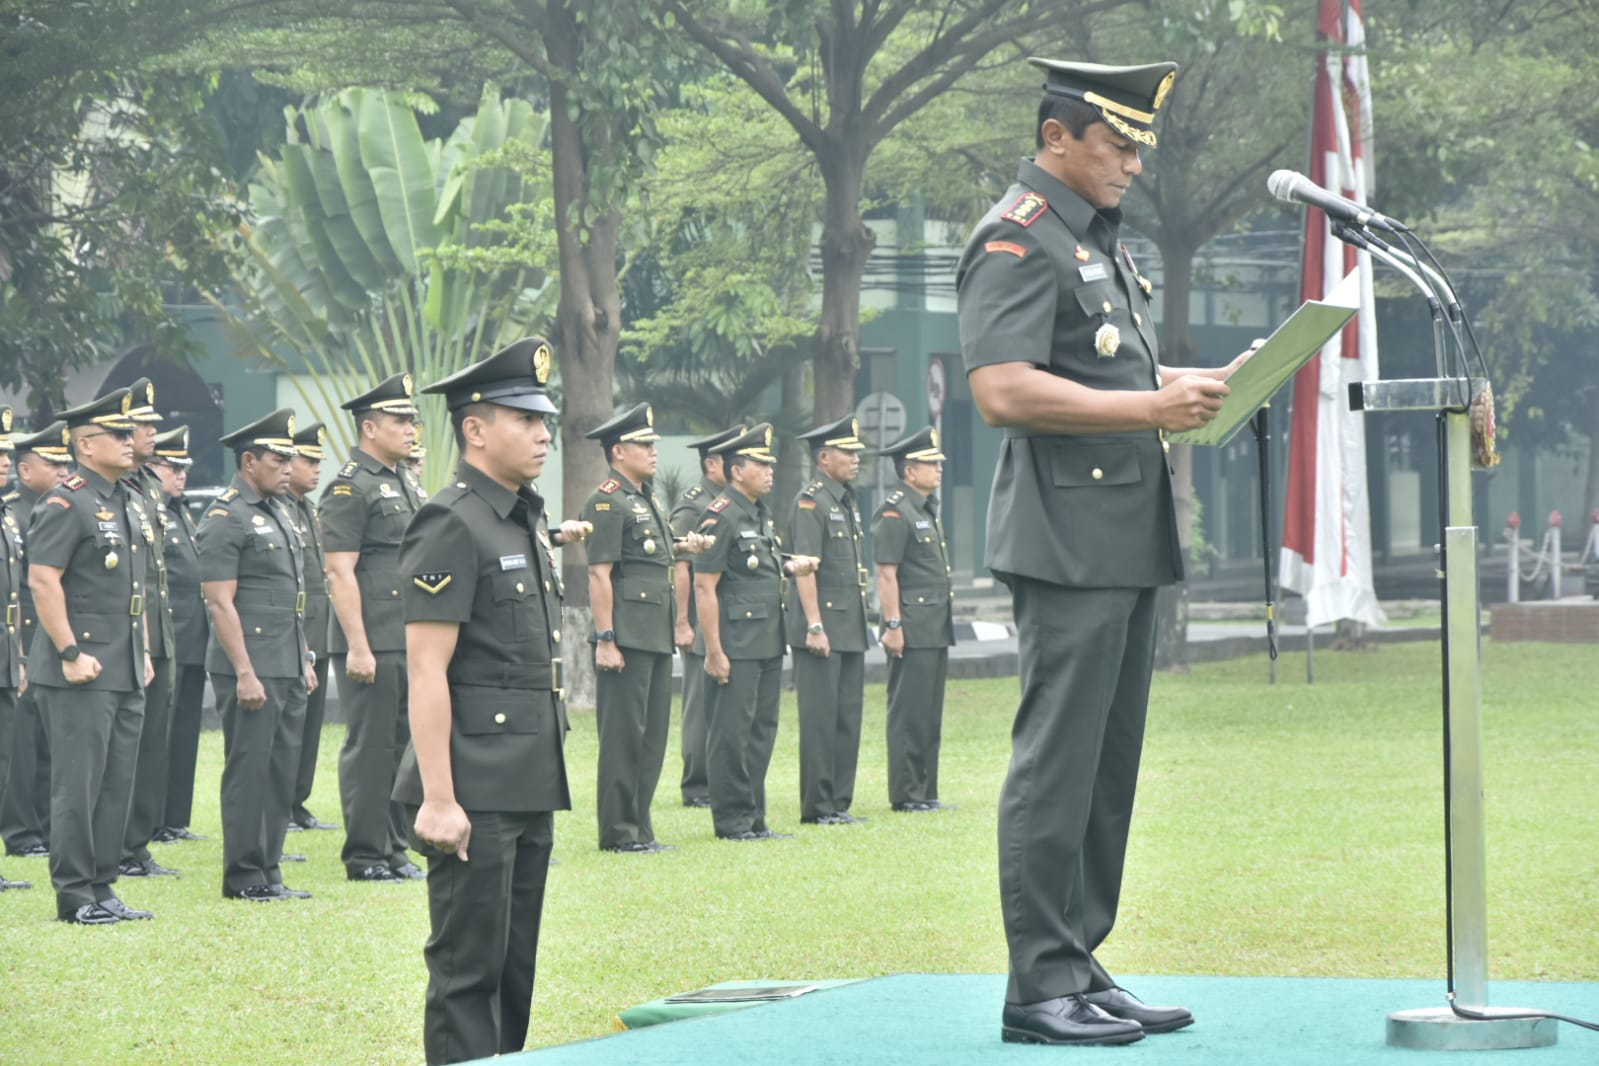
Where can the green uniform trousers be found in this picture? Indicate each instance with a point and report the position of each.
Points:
(741, 729)
(483, 951)
(94, 743)
(25, 810)
(375, 830)
(633, 711)
(696, 781)
(915, 723)
(8, 722)
(261, 753)
(183, 744)
(148, 810)
(830, 691)
(1085, 657)
(310, 742)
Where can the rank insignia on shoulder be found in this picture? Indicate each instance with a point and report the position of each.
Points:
(610, 485)
(75, 482)
(349, 469)
(343, 490)
(805, 503)
(1026, 209)
(433, 583)
(12, 497)
(694, 493)
(1010, 247)
(719, 504)
(217, 512)
(228, 495)
(896, 496)
(892, 514)
(602, 507)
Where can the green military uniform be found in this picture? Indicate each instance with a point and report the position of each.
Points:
(685, 518)
(311, 443)
(25, 812)
(1081, 528)
(742, 714)
(10, 649)
(478, 556)
(191, 626)
(89, 528)
(907, 534)
(147, 811)
(825, 522)
(633, 706)
(365, 510)
(250, 538)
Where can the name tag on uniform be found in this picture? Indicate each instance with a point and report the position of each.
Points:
(835, 516)
(750, 533)
(110, 527)
(513, 562)
(262, 529)
(1092, 272)
(924, 525)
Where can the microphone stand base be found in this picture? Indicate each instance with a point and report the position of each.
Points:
(1441, 1029)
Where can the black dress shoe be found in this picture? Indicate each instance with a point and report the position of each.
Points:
(767, 834)
(125, 912)
(913, 807)
(376, 872)
(1067, 1020)
(165, 835)
(409, 871)
(145, 868)
(286, 857)
(255, 894)
(696, 801)
(1120, 1003)
(628, 847)
(656, 845)
(181, 832)
(7, 885)
(32, 851)
(746, 835)
(825, 819)
(846, 818)
(934, 805)
(290, 893)
(307, 820)
(90, 914)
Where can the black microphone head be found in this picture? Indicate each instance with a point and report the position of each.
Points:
(1281, 184)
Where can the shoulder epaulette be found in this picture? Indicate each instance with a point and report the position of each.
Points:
(1026, 209)
(895, 496)
(227, 495)
(349, 468)
(75, 482)
(812, 489)
(12, 497)
(610, 485)
(694, 492)
(719, 505)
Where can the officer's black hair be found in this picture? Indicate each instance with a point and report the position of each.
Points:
(1069, 111)
(712, 457)
(900, 463)
(609, 448)
(459, 416)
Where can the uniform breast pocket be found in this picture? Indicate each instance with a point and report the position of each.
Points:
(1098, 300)
(515, 601)
(1079, 465)
(747, 612)
(487, 712)
(388, 517)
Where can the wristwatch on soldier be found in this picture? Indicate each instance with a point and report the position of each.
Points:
(892, 623)
(70, 653)
(606, 635)
(816, 629)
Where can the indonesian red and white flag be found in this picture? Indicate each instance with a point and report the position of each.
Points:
(1326, 553)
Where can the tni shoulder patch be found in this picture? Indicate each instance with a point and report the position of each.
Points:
(433, 583)
(1026, 209)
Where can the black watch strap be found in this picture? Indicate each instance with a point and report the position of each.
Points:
(70, 653)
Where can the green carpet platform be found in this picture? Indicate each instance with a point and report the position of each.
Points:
(953, 1020)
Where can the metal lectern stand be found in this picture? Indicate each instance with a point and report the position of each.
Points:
(1475, 1025)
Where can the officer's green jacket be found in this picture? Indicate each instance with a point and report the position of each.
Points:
(1041, 278)
(11, 577)
(825, 523)
(748, 555)
(906, 533)
(365, 510)
(191, 626)
(685, 519)
(251, 539)
(89, 528)
(158, 611)
(478, 555)
(317, 605)
(631, 532)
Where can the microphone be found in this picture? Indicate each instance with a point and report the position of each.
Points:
(1292, 187)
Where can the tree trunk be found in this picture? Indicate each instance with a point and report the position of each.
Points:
(846, 246)
(1590, 498)
(1176, 349)
(790, 452)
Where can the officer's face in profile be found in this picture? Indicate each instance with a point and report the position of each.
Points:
(5, 466)
(636, 461)
(173, 479)
(753, 479)
(304, 475)
(388, 436)
(840, 465)
(39, 475)
(106, 450)
(514, 443)
(143, 442)
(924, 477)
(1100, 168)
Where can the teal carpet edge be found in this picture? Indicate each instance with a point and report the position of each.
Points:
(938, 1019)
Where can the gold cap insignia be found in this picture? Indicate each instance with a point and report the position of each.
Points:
(1165, 87)
(5, 419)
(768, 436)
(66, 436)
(291, 425)
(127, 402)
(149, 394)
(541, 364)
(321, 435)
(649, 416)
(183, 442)
(406, 383)
(854, 427)
(934, 434)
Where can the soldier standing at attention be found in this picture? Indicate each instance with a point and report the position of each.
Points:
(915, 591)
(485, 768)
(147, 812)
(190, 625)
(685, 518)
(363, 513)
(827, 625)
(88, 663)
(13, 676)
(630, 592)
(261, 667)
(738, 589)
(1060, 352)
(305, 473)
(43, 461)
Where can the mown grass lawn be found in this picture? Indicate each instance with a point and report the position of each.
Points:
(1281, 830)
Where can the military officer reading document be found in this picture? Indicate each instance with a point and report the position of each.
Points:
(485, 767)
(1060, 352)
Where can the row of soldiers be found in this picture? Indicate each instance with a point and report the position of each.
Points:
(712, 579)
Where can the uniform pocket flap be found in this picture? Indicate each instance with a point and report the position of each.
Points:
(927, 597)
(642, 593)
(489, 711)
(89, 627)
(1079, 465)
(738, 612)
(513, 584)
(1096, 300)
